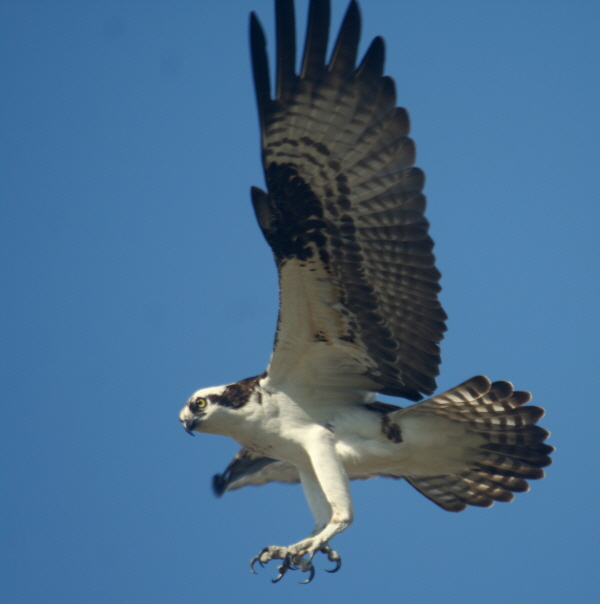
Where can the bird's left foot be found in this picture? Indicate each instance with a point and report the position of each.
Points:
(295, 559)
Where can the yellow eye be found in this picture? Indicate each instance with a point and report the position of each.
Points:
(198, 403)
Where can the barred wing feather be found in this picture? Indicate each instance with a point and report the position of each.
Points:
(344, 215)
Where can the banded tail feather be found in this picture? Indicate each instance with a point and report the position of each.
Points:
(512, 447)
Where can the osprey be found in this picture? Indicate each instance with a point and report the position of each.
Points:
(359, 312)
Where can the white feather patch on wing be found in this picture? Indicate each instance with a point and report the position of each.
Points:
(313, 340)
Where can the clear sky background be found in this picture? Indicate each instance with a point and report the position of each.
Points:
(133, 273)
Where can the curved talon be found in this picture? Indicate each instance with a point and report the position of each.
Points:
(257, 559)
(311, 568)
(332, 556)
(338, 565)
(285, 566)
(295, 561)
(282, 570)
(253, 562)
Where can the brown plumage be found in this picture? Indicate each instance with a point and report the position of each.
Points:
(343, 194)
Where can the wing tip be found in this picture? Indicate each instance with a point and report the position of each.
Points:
(317, 38)
(345, 50)
(260, 67)
(219, 485)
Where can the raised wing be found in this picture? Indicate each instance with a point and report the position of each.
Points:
(344, 215)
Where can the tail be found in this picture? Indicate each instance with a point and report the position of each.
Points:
(513, 448)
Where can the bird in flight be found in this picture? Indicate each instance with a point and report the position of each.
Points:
(359, 312)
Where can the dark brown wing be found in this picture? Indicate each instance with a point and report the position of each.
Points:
(247, 469)
(344, 215)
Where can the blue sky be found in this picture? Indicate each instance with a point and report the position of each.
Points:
(133, 273)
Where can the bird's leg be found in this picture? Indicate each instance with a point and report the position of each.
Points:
(327, 490)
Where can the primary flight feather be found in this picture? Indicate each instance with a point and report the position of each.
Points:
(359, 312)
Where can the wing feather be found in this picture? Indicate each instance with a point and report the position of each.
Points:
(286, 47)
(249, 469)
(317, 35)
(344, 215)
(343, 57)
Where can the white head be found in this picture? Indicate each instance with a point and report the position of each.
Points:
(216, 410)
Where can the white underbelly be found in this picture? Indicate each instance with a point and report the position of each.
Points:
(430, 446)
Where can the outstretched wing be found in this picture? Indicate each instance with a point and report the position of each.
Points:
(344, 215)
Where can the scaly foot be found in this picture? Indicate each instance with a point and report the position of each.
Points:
(295, 558)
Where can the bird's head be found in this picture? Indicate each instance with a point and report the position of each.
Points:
(199, 407)
(216, 410)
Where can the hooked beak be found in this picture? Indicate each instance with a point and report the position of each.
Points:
(190, 424)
